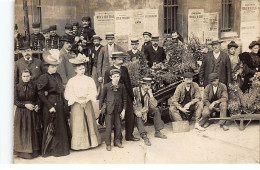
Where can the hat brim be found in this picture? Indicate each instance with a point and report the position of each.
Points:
(100, 39)
(49, 62)
(77, 62)
(216, 42)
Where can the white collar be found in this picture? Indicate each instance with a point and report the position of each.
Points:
(187, 88)
(155, 48)
(215, 89)
(118, 67)
(96, 48)
(216, 55)
(30, 59)
(111, 46)
(134, 51)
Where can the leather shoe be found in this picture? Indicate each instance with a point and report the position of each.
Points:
(147, 141)
(108, 148)
(118, 145)
(132, 139)
(160, 135)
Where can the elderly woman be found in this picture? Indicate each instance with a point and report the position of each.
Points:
(81, 94)
(26, 141)
(251, 63)
(236, 64)
(56, 133)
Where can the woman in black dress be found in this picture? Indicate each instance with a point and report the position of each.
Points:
(26, 141)
(251, 64)
(56, 132)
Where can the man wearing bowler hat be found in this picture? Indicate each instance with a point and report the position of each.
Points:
(54, 37)
(36, 38)
(65, 68)
(105, 55)
(145, 105)
(34, 65)
(94, 52)
(215, 100)
(154, 53)
(134, 53)
(215, 61)
(118, 60)
(186, 101)
(147, 40)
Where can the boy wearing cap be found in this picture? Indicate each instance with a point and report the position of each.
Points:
(186, 101)
(146, 105)
(118, 60)
(113, 97)
(34, 65)
(54, 37)
(215, 100)
(154, 53)
(105, 55)
(94, 52)
(147, 40)
(134, 53)
(215, 61)
(36, 38)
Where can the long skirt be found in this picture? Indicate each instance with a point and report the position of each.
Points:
(26, 142)
(84, 127)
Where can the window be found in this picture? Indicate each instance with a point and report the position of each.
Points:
(227, 16)
(170, 15)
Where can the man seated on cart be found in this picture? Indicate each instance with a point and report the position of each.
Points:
(215, 100)
(146, 105)
(186, 101)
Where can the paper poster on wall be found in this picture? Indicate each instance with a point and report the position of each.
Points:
(104, 22)
(151, 20)
(123, 22)
(210, 24)
(250, 24)
(195, 23)
(122, 40)
(138, 22)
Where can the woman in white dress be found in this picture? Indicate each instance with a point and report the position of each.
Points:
(81, 93)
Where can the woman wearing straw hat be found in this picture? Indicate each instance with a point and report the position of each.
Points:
(56, 132)
(81, 94)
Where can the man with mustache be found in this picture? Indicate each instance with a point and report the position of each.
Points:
(94, 52)
(154, 53)
(118, 60)
(187, 100)
(34, 65)
(215, 61)
(54, 37)
(65, 68)
(36, 38)
(146, 105)
(147, 40)
(105, 56)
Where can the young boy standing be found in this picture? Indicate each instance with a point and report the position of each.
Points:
(113, 98)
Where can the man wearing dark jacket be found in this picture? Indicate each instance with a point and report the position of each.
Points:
(147, 40)
(154, 53)
(118, 59)
(215, 61)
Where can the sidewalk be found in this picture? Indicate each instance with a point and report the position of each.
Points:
(211, 146)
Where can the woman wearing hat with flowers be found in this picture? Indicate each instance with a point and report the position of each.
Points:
(251, 63)
(236, 64)
(81, 93)
(56, 132)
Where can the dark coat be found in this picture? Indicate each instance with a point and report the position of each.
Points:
(133, 56)
(35, 66)
(149, 43)
(124, 79)
(103, 59)
(207, 67)
(54, 42)
(222, 94)
(154, 56)
(35, 39)
(94, 55)
(112, 98)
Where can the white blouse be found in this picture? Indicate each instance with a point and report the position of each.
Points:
(80, 89)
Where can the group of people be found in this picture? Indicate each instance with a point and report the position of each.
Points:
(55, 97)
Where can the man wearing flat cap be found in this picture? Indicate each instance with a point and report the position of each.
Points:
(186, 101)
(47, 42)
(145, 105)
(154, 53)
(147, 40)
(134, 53)
(36, 38)
(94, 52)
(118, 60)
(54, 37)
(215, 100)
(34, 65)
(215, 61)
(105, 55)
(65, 68)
